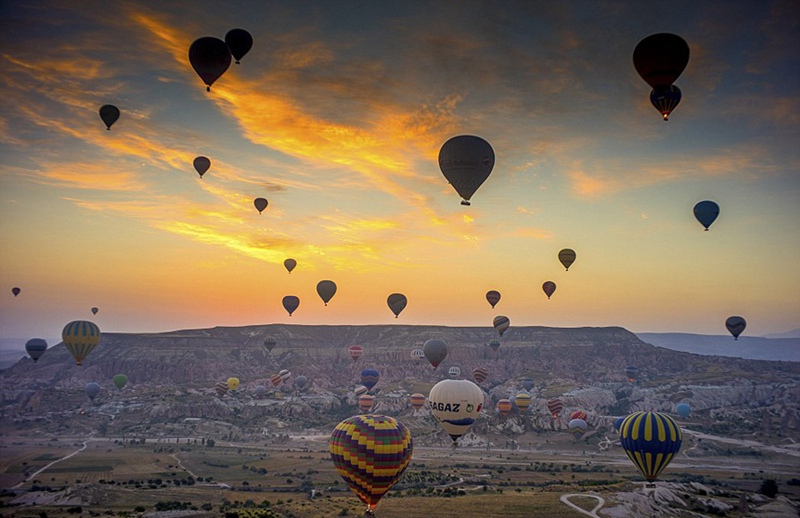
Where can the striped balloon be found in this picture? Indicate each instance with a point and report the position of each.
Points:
(504, 407)
(417, 401)
(523, 401)
(276, 380)
(555, 406)
(651, 440)
(480, 374)
(80, 337)
(365, 402)
(501, 324)
(370, 452)
(578, 414)
(221, 388)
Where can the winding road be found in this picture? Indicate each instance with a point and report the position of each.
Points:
(600, 503)
(65, 457)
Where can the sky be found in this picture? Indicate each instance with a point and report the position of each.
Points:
(337, 115)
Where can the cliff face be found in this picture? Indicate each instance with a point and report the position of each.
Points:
(171, 376)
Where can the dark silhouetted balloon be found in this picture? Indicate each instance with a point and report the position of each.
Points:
(493, 297)
(665, 99)
(210, 57)
(260, 204)
(494, 343)
(92, 389)
(397, 303)
(291, 303)
(270, 342)
(326, 290)
(631, 372)
(201, 165)
(661, 58)
(435, 351)
(706, 212)
(300, 382)
(95, 310)
(735, 326)
(549, 287)
(15, 291)
(651, 440)
(289, 264)
(240, 42)
(528, 383)
(109, 115)
(369, 378)
(35, 347)
(567, 257)
(466, 161)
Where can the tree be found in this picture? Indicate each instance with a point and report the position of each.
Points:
(769, 488)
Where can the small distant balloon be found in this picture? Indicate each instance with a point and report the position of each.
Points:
(365, 402)
(210, 57)
(578, 414)
(221, 388)
(735, 326)
(300, 382)
(528, 383)
(435, 351)
(504, 406)
(239, 42)
(523, 401)
(35, 347)
(417, 354)
(397, 303)
(233, 383)
(92, 389)
(120, 380)
(417, 400)
(578, 427)
(494, 343)
(270, 342)
(549, 287)
(555, 406)
(326, 290)
(355, 352)
(109, 115)
(289, 264)
(706, 212)
(501, 324)
(369, 378)
(454, 372)
(15, 291)
(201, 165)
(466, 162)
(683, 410)
(665, 99)
(291, 303)
(95, 310)
(493, 297)
(480, 374)
(260, 204)
(567, 257)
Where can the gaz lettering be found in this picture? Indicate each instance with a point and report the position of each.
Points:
(444, 407)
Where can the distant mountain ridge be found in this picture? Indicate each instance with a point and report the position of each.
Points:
(747, 347)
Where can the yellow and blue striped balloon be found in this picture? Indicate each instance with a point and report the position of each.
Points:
(651, 440)
(80, 337)
(370, 452)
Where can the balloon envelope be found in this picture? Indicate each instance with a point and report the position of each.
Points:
(735, 326)
(95, 310)
(210, 57)
(270, 342)
(683, 410)
(221, 388)
(370, 452)
(555, 406)
(706, 212)
(567, 257)
(578, 427)
(466, 161)
(501, 324)
(578, 414)
(109, 115)
(15, 291)
(120, 380)
(504, 406)
(435, 351)
(523, 401)
(260, 204)
(80, 337)
(239, 42)
(259, 391)
(480, 374)
(651, 440)
(355, 351)
(300, 382)
(417, 401)
(369, 378)
(454, 372)
(661, 58)
(456, 404)
(549, 287)
(233, 383)
(201, 165)
(632, 372)
(365, 402)
(291, 303)
(494, 343)
(92, 389)
(665, 99)
(326, 290)
(528, 383)
(417, 354)
(35, 347)
(493, 297)
(397, 303)
(289, 264)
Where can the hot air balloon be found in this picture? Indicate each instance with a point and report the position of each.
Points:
(326, 290)
(15, 291)
(480, 374)
(109, 115)
(275, 379)
(361, 389)
(735, 326)
(201, 165)
(435, 351)
(289, 264)
(578, 427)
(661, 58)
(355, 351)
(549, 287)
(683, 410)
(120, 380)
(631, 372)
(365, 402)
(210, 57)
(417, 401)
(706, 212)
(270, 342)
(285, 375)
(260, 204)
(397, 303)
(493, 297)
(300, 382)
(528, 383)
(651, 440)
(455, 404)
(80, 337)
(454, 372)
(501, 324)
(494, 343)
(221, 388)
(239, 42)
(418, 354)
(260, 391)
(233, 383)
(95, 310)
(523, 401)
(370, 452)
(566, 257)
(578, 414)
(555, 406)
(369, 378)
(35, 347)
(92, 389)
(665, 99)
(291, 303)
(466, 161)
(504, 406)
